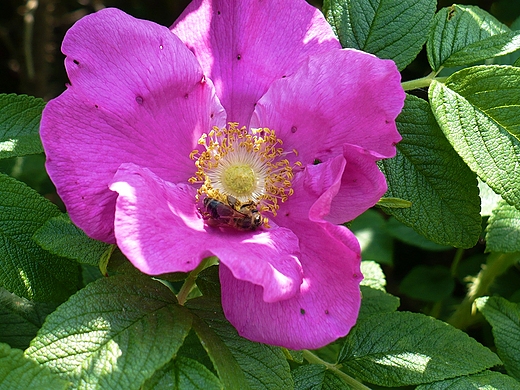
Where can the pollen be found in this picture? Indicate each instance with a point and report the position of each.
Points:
(249, 166)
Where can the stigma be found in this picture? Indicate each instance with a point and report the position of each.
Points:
(244, 169)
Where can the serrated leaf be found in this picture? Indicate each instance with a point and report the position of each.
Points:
(183, 373)
(386, 28)
(504, 319)
(375, 243)
(316, 376)
(264, 366)
(494, 46)
(503, 229)
(487, 380)
(457, 27)
(25, 268)
(477, 109)
(375, 302)
(20, 319)
(18, 372)
(399, 349)
(19, 125)
(373, 275)
(113, 334)
(427, 171)
(428, 283)
(61, 237)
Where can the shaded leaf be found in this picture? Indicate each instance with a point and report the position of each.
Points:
(428, 283)
(504, 317)
(386, 28)
(375, 243)
(391, 349)
(25, 268)
(316, 376)
(427, 171)
(503, 229)
(19, 125)
(488, 380)
(98, 338)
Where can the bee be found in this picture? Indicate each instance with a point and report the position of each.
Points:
(220, 214)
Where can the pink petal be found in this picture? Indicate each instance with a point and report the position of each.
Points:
(328, 302)
(137, 94)
(342, 96)
(245, 45)
(160, 230)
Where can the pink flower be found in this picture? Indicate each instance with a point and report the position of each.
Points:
(131, 150)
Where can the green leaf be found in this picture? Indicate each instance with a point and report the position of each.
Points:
(428, 283)
(427, 171)
(183, 373)
(494, 46)
(503, 229)
(457, 27)
(113, 334)
(19, 125)
(411, 349)
(264, 366)
(386, 28)
(488, 380)
(316, 376)
(373, 275)
(20, 319)
(504, 319)
(409, 236)
(488, 199)
(477, 109)
(61, 237)
(25, 268)
(375, 302)
(375, 243)
(17, 372)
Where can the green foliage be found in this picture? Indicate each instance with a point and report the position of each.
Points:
(477, 109)
(399, 354)
(427, 283)
(316, 376)
(426, 171)
(386, 28)
(503, 229)
(18, 372)
(461, 34)
(504, 318)
(19, 125)
(26, 269)
(488, 380)
(61, 237)
(375, 242)
(97, 339)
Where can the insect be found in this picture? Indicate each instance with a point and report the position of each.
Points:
(220, 214)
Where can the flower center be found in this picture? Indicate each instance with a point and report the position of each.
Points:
(243, 169)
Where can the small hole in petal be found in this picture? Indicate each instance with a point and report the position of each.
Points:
(302, 311)
(317, 161)
(294, 129)
(186, 96)
(326, 312)
(284, 76)
(139, 99)
(161, 47)
(218, 12)
(76, 62)
(95, 105)
(239, 57)
(287, 214)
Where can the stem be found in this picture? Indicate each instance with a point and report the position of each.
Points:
(28, 19)
(423, 82)
(189, 283)
(496, 265)
(456, 261)
(312, 358)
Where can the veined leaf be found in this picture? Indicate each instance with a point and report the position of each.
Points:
(18, 372)
(399, 349)
(427, 171)
(504, 319)
(316, 376)
(478, 109)
(389, 29)
(457, 27)
(25, 268)
(61, 237)
(19, 125)
(113, 334)
(488, 380)
(503, 229)
(264, 366)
